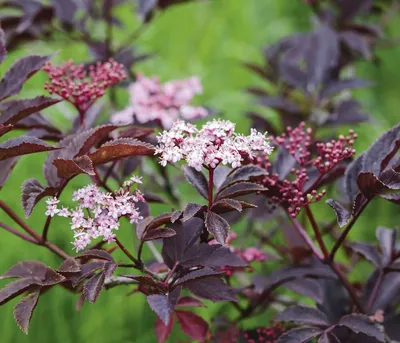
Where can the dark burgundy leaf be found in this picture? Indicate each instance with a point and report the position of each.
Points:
(158, 221)
(387, 241)
(15, 110)
(197, 180)
(349, 9)
(15, 288)
(3, 51)
(217, 226)
(299, 335)
(307, 287)
(197, 274)
(175, 216)
(190, 211)
(69, 265)
(211, 288)
(359, 323)
(158, 233)
(347, 112)
(37, 121)
(109, 269)
(322, 55)
(368, 251)
(279, 104)
(388, 290)
(93, 287)
(350, 177)
(261, 123)
(20, 71)
(243, 173)
(162, 306)
(69, 168)
(97, 254)
(141, 226)
(369, 185)
(23, 146)
(192, 325)
(239, 189)
(162, 330)
(337, 86)
(6, 168)
(283, 163)
(358, 43)
(226, 205)
(24, 309)
(328, 338)
(32, 192)
(65, 10)
(189, 301)
(220, 174)
(148, 281)
(377, 157)
(343, 216)
(303, 315)
(87, 270)
(136, 132)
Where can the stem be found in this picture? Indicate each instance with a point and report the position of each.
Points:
(171, 271)
(127, 253)
(317, 232)
(140, 249)
(374, 293)
(210, 187)
(344, 234)
(17, 233)
(109, 172)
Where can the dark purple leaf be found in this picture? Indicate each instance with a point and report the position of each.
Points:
(347, 112)
(32, 193)
(23, 146)
(220, 174)
(197, 274)
(20, 71)
(158, 233)
(211, 288)
(226, 205)
(370, 185)
(321, 56)
(162, 330)
(97, 254)
(343, 216)
(239, 189)
(6, 168)
(350, 177)
(368, 251)
(303, 315)
(65, 10)
(3, 50)
(349, 9)
(68, 168)
(136, 132)
(175, 216)
(189, 301)
(197, 180)
(190, 210)
(24, 309)
(217, 226)
(162, 306)
(388, 290)
(359, 323)
(358, 43)
(243, 173)
(279, 104)
(299, 335)
(109, 269)
(283, 163)
(93, 287)
(293, 75)
(69, 265)
(336, 86)
(87, 270)
(5, 128)
(145, 7)
(328, 338)
(15, 110)
(192, 325)
(261, 123)
(387, 241)
(307, 287)
(15, 288)
(378, 156)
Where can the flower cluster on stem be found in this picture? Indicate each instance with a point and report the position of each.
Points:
(216, 142)
(151, 100)
(81, 86)
(98, 213)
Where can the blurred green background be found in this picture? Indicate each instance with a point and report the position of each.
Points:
(210, 39)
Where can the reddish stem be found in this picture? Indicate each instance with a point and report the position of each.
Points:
(317, 232)
(210, 187)
(17, 233)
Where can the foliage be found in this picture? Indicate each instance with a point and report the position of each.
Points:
(194, 255)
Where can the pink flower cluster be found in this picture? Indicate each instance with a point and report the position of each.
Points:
(98, 213)
(251, 254)
(216, 142)
(290, 192)
(269, 334)
(82, 87)
(152, 101)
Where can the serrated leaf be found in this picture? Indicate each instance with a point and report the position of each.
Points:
(226, 205)
(239, 189)
(243, 173)
(23, 146)
(163, 331)
(32, 193)
(299, 335)
(328, 338)
(388, 290)
(350, 177)
(24, 309)
(192, 325)
(19, 72)
(96, 253)
(387, 241)
(15, 110)
(5, 128)
(189, 301)
(158, 233)
(197, 274)
(69, 265)
(175, 216)
(68, 168)
(217, 226)
(93, 287)
(337, 86)
(211, 288)
(190, 210)
(369, 251)
(303, 315)
(3, 50)
(343, 216)
(162, 306)
(307, 287)
(6, 168)
(15, 288)
(197, 180)
(359, 323)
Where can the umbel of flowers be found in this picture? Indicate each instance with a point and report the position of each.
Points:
(151, 100)
(215, 143)
(98, 213)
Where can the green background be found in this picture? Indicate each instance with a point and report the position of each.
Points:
(210, 39)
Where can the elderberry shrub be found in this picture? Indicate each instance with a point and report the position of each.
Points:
(262, 185)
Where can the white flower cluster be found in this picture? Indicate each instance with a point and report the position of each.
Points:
(216, 142)
(98, 213)
(150, 100)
